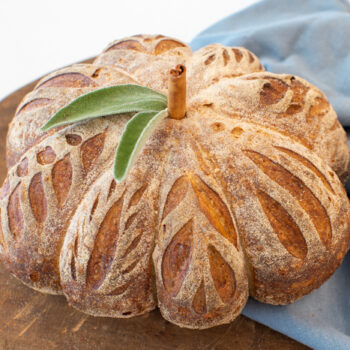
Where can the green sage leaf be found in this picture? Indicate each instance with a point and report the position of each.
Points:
(134, 137)
(107, 101)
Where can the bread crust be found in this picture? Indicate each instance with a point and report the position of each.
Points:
(242, 197)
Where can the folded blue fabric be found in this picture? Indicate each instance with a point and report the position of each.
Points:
(311, 39)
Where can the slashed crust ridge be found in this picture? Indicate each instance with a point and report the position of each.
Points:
(106, 260)
(198, 258)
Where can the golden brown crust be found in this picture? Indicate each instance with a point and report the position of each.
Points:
(239, 198)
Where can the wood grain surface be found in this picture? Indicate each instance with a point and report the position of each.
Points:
(31, 320)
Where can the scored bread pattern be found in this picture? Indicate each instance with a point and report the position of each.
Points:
(199, 264)
(38, 205)
(242, 197)
(107, 253)
(297, 188)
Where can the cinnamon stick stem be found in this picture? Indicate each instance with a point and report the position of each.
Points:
(177, 92)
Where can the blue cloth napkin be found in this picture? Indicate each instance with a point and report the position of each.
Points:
(311, 39)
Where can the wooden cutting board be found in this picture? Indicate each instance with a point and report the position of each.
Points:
(31, 320)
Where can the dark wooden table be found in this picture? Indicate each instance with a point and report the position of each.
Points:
(30, 320)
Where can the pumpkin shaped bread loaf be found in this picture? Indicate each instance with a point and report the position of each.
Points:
(241, 197)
